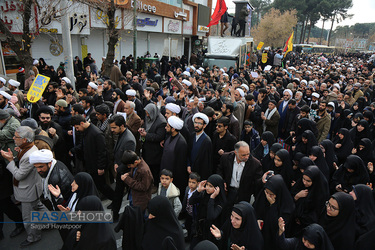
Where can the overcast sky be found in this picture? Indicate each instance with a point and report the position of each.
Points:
(363, 10)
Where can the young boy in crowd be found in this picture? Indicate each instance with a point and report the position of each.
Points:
(187, 209)
(250, 135)
(169, 190)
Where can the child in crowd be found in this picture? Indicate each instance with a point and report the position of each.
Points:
(169, 190)
(187, 208)
(250, 135)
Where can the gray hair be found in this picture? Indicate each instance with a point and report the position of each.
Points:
(26, 132)
(240, 144)
(131, 104)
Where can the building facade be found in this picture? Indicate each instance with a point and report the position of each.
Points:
(166, 27)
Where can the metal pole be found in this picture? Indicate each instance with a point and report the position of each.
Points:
(68, 57)
(135, 33)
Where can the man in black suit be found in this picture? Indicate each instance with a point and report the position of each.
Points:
(93, 149)
(125, 141)
(241, 172)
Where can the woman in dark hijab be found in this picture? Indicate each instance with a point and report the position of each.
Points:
(211, 198)
(359, 132)
(365, 151)
(263, 148)
(283, 166)
(91, 235)
(338, 220)
(364, 208)
(162, 222)
(329, 154)
(303, 125)
(310, 194)
(206, 245)
(297, 174)
(343, 121)
(272, 203)
(82, 186)
(241, 230)
(355, 109)
(307, 142)
(268, 160)
(304, 163)
(343, 145)
(313, 237)
(352, 172)
(317, 156)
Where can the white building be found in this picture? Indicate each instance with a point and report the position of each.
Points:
(168, 27)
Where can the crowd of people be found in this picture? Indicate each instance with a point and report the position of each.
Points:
(248, 159)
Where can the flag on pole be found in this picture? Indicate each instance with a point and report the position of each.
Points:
(220, 9)
(289, 44)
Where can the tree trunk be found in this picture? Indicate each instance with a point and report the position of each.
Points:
(112, 38)
(21, 49)
(321, 33)
(330, 31)
(308, 35)
(302, 31)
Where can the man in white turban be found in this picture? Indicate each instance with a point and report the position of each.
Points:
(56, 177)
(200, 148)
(175, 153)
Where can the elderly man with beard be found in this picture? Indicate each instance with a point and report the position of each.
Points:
(200, 148)
(53, 172)
(131, 95)
(118, 102)
(152, 135)
(282, 107)
(271, 118)
(27, 184)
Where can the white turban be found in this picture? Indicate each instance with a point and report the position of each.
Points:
(6, 95)
(188, 83)
(225, 74)
(245, 86)
(41, 156)
(222, 70)
(14, 83)
(199, 72)
(131, 92)
(3, 80)
(315, 95)
(201, 116)
(35, 62)
(173, 107)
(175, 122)
(93, 85)
(201, 69)
(66, 79)
(289, 92)
(192, 67)
(337, 86)
(241, 92)
(304, 81)
(186, 73)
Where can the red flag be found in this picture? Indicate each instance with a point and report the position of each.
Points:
(220, 9)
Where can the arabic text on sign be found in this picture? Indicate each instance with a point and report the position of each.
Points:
(37, 88)
(146, 21)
